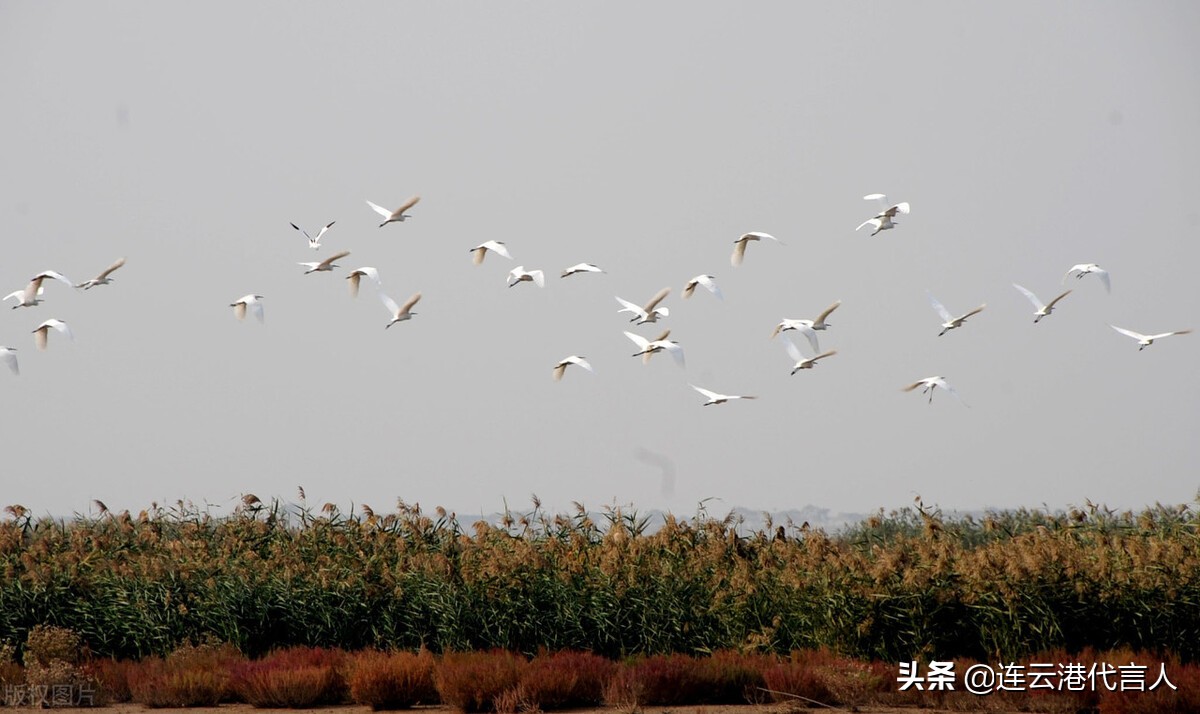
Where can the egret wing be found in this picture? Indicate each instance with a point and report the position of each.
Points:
(940, 308)
(1034, 298)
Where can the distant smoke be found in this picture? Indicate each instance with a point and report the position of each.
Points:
(663, 463)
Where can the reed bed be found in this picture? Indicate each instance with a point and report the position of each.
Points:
(908, 585)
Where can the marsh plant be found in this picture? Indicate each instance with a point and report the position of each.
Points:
(907, 585)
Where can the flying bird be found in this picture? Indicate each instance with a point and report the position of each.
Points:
(325, 265)
(573, 359)
(9, 355)
(949, 322)
(801, 361)
(739, 245)
(580, 268)
(930, 383)
(808, 327)
(519, 275)
(29, 296)
(397, 215)
(662, 338)
(1145, 341)
(254, 302)
(1042, 309)
(649, 347)
(708, 281)
(358, 274)
(883, 220)
(102, 278)
(400, 313)
(648, 313)
(715, 398)
(479, 252)
(314, 243)
(804, 327)
(39, 334)
(1078, 271)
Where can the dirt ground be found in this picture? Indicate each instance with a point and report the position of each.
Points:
(706, 709)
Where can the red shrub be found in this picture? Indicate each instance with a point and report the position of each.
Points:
(728, 677)
(11, 673)
(564, 679)
(392, 680)
(656, 680)
(822, 676)
(112, 679)
(471, 681)
(191, 676)
(796, 678)
(1184, 699)
(296, 677)
(154, 683)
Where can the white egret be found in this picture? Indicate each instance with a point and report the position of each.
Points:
(358, 274)
(520, 275)
(648, 313)
(314, 243)
(708, 281)
(883, 220)
(102, 278)
(739, 245)
(397, 215)
(252, 301)
(39, 334)
(649, 347)
(400, 313)
(566, 362)
(29, 296)
(715, 398)
(479, 252)
(949, 322)
(9, 355)
(1043, 309)
(662, 338)
(326, 265)
(801, 361)
(580, 268)
(928, 384)
(804, 327)
(1078, 271)
(808, 327)
(1145, 341)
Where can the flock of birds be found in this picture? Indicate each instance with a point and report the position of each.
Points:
(651, 311)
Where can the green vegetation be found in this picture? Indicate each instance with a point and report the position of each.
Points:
(903, 586)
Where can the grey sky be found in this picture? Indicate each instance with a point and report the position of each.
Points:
(643, 137)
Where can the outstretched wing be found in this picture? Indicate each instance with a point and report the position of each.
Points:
(1034, 298)
(378, 209)
(412, 301)
(630, 307)
(940, 308)
(1168, 334)
(638, 340)
(119, 262)
(654, 301)
(792, 350)
(1055, 300)
(412, 201)
(829, 310)
(389, 303)
(336, 256)
(1130, 333)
